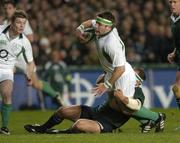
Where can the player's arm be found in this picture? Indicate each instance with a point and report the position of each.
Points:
(118, 61)
(80, 30)
(30, 71)
(28, 57)
(100, 78)
(118, 71)
(134, 104)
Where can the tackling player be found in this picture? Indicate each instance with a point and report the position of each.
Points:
(103, 118)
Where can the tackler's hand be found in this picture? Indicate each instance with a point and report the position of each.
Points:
(99, 89)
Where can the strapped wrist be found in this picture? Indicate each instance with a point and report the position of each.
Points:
(108, 85)
(81, 28)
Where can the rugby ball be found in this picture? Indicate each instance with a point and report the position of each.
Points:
(89, 35)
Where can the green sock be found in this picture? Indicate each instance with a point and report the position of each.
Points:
(48, 89)
(5, 113)
(142, 121)
(144, 114)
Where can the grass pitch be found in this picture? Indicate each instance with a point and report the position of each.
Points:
(130, 131)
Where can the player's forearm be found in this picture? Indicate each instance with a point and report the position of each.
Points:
(81, 28)
(118, 71)
(30, 69)
(134, 104)
(100, 78)
(87, 24)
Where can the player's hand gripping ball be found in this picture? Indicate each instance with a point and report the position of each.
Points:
(88, 35)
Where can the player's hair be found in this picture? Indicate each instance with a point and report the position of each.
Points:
(141, 73)
(107, 15)
(5, 2)
(19, 14)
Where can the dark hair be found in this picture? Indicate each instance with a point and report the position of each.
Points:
(140, 72)
(9, 2)
(107, 15)
(19, 14)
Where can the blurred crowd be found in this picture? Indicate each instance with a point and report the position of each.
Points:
(143, 25)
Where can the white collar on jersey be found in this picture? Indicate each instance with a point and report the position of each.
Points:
(174, 18)
(7, 28)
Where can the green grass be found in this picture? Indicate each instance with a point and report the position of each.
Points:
(130, 131)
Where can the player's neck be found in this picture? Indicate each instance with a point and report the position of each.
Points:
(106, 33)
(12, 33)
(176, 14)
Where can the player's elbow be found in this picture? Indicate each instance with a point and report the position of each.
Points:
(119, 70)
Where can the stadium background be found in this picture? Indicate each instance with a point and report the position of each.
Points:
(143, 26)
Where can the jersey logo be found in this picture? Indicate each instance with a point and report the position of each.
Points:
(4, 54)
(82, 92)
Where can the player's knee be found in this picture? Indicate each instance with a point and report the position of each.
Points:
(6, 92)
(60, 112)
(6, 96)
(79, 125)
(82, 125)
(176, 90)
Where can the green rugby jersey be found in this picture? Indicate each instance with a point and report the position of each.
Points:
(139, 94)
(57, 74)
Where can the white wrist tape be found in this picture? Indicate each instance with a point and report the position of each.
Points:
(134, 104)
(81, 28)
(108, 85)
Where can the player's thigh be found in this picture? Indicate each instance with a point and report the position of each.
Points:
(6, 88)
(110, 118)
(127, 84)
(6, 82)
(70, 112)
(87, 126)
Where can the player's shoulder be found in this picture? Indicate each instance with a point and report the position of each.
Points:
(2, 27)
(24, 38)
(112, 36)
(24, 41)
